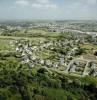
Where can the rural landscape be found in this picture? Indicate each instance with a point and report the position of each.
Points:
(47, 60)
(48, 49)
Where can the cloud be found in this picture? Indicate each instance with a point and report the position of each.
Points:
(91, 2)
(43, 1)
(69, 9)
(81, 9)
(22, 2)
(43, 4)
(46, 6)
(87, 2)
(35, 5)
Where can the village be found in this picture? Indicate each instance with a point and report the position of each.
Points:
(62, 55)
(48, 49)
(55, 45)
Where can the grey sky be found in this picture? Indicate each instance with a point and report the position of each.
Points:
(48, 9)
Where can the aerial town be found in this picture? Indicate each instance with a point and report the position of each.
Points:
(38, 59)
(46, 53)
(48, 49)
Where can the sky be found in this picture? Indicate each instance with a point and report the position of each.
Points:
(48, 9)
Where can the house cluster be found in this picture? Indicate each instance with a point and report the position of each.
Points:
(82, 67)
(91, 69)
(48, 53)
(32, 54)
